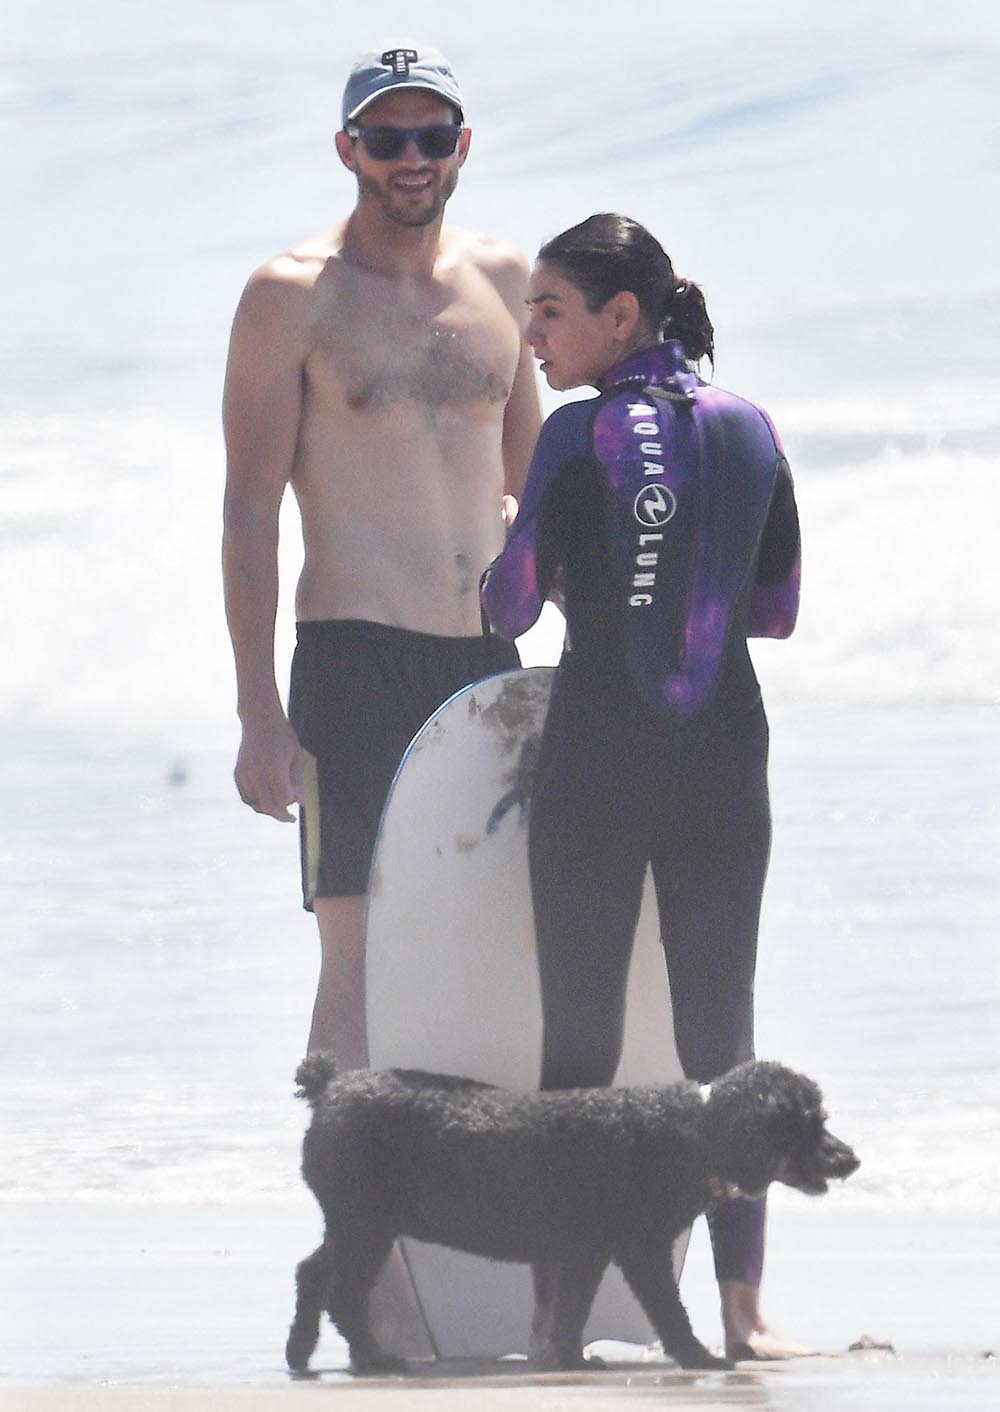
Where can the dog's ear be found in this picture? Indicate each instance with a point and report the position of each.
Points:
(764, 1115)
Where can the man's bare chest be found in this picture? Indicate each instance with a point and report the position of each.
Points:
(372, 358)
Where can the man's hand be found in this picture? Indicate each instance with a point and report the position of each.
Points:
(508, 510)
(269, 771)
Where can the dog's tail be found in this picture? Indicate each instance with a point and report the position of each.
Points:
(313, 1075)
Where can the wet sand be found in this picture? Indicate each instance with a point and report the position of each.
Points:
(152, 1307)
(857, 1383)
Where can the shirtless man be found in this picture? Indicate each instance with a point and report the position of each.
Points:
(380, 369)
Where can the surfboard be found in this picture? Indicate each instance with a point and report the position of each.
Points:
(451, 975)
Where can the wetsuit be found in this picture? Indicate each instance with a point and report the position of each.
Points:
(664, 511)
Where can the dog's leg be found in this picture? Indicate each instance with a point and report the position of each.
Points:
(358, 1258)
(575, 1285)
(311, 1281)
(648, 1267)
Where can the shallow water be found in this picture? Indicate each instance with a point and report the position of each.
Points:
(160, 972)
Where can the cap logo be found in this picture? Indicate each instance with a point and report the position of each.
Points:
(399, 60)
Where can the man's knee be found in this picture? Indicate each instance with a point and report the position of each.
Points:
(341, 924)
(338, 1022)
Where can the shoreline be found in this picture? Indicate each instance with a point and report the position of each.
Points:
(875, 1382)
(153, 1306)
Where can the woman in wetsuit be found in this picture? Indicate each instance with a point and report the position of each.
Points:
(662, 513)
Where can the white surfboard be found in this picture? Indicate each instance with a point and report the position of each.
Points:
(452, 982)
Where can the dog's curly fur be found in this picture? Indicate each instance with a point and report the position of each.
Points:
(571, 1179)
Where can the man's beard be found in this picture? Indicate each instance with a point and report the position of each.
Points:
(403, 214)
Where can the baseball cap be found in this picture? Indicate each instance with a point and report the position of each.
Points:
(407, 65)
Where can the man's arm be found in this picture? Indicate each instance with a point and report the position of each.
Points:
(522, 422)
(527, 568)
(261, 410)
(508, 270)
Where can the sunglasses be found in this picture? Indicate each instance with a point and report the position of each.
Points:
(385, 144)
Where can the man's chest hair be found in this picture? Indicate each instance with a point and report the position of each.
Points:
(396, 354)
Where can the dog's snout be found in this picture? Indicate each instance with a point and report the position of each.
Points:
(839, 1160)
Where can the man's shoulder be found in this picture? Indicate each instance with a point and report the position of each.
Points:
(301, 264)
(501, 262)
(283, 288)
(491, 253)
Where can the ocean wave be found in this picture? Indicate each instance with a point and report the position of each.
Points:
(114, 522)
(149, 1151)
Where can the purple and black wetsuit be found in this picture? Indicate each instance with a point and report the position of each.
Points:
(664, 510)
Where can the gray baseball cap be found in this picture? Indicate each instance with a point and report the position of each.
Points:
(407, 65)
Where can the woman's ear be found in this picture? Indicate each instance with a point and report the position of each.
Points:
(626, 312)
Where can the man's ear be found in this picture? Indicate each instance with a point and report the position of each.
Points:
(463, 145)
(345, 150)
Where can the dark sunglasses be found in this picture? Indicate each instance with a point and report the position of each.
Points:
(385, 144)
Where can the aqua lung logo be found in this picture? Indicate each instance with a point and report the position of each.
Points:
(655, 505)
(399, 60)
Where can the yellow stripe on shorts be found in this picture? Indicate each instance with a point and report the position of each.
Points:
(311, 825)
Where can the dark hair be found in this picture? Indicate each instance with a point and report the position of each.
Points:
(608, 253)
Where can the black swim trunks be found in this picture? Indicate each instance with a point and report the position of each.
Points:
(360, 691)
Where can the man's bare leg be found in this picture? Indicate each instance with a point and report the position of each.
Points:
(545, 1282)
(338, 1018)
(338, 1026)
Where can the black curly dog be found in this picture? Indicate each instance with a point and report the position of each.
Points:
(573, 1179)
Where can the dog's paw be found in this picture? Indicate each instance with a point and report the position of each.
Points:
(546, 1358)
(298, 1351)
(580, 1363)
(697, 1357)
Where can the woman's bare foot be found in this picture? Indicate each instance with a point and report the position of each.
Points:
(748, 1337)
(763, 1346)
